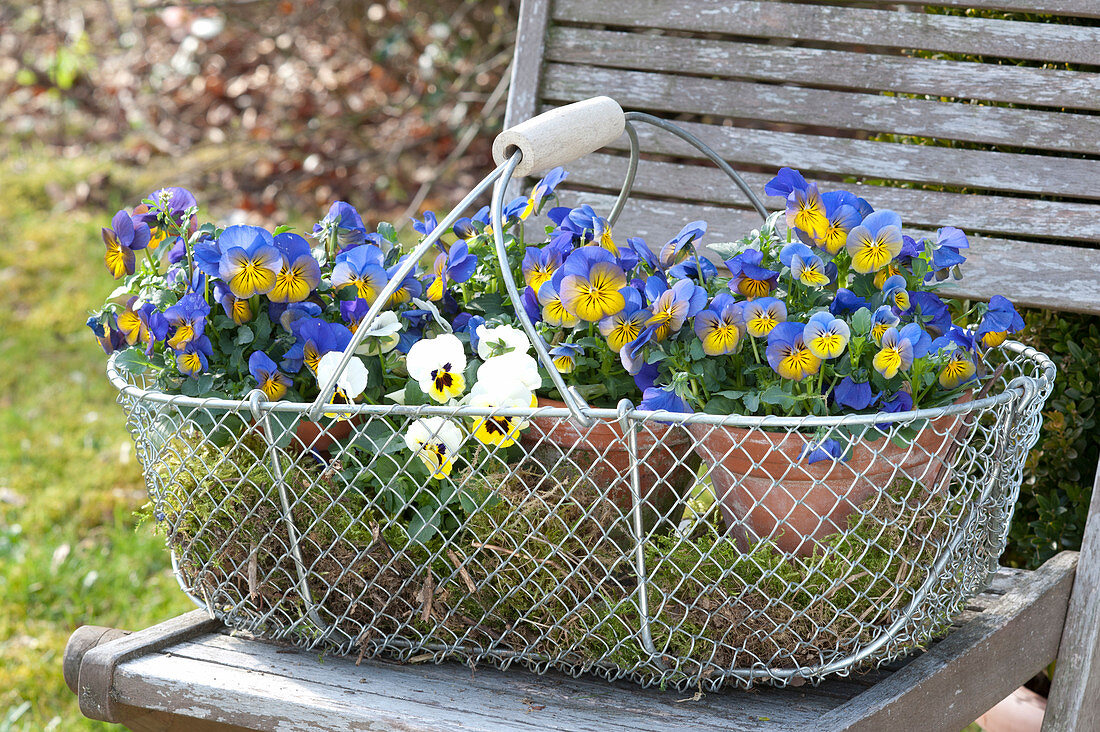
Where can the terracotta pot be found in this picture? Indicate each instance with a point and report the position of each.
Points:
(317, 436)
(766, 492)
(320, 436)
(666, 468)
(1022, 711)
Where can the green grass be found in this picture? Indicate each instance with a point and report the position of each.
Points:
(69, 483)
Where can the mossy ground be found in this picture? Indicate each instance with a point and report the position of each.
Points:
(69, 483)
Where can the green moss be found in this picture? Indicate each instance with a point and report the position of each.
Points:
(547, 567)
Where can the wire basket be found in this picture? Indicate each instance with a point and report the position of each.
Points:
(680, 550)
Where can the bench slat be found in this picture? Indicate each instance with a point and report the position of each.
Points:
(1030, 617)
(231, 678)
(530, 36)
(1076, 685)
(1072, 44)
(998, 215)
(846, 111)
(815, 155)
(253, 684)
(825, 67)
(1069, 8)
(1028, 274)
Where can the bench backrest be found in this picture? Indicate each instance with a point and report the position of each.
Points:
(838, 91)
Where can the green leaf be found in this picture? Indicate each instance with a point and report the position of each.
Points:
(721, 405)
(592, 342)
(414, 396)
(133, 360)
(347, 293)
(477, 499)
(162, 298)
(751, 400)
(283, 425)
(725, 249)
(470, 373)
(244, 336)
(379, 438)
(261, 328)
(490, 305)
(696, 350)
(424, 524)
(775, 396)
(861, 321)
(204, 384)
(387, 231)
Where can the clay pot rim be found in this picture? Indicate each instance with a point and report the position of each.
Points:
(604, 430)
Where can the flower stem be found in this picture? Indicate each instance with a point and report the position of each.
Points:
(152, 261)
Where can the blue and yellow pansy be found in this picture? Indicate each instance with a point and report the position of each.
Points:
(123, 238)
(719, 327)
(250, 262)
(590, 287)
(273, 382)
(788, 354)
(875, 242)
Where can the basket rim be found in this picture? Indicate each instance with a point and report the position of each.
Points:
(1018, 387)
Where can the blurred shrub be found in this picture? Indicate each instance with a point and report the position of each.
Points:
(1054, 499)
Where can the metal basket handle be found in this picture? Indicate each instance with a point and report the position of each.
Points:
(553, 138)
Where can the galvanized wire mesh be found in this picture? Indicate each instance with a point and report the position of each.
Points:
(593, 549)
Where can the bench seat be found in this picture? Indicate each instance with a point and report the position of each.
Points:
(191, 673)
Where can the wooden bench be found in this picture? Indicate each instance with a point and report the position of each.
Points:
(766, 84)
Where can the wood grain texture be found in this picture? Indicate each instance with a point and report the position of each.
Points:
(998, 215)
(97, 669)
(82, 640)
(975, 667)
(817, 22)
(816, 155)
(218, 678)
(826, 68)
(147, 720)
(836, 110)
(1068, 8)
(526, 71)
(251, 684)
(1068, 278)
(1075, 692)
(527, 61)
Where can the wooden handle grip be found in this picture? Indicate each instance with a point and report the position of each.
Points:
(561, 135)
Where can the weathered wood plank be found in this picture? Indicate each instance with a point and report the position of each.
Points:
(1071, 44)
(526, 71)
(1075, 691)
(928, 209)
(221, 678)
(1068, 8)
(233, 651)
(825, 67)
(306, 694)
(1068, 278)
(947, 687)
(97, 668)
(817, 156)
(527, 61)
(147, 720)
(839, 110)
